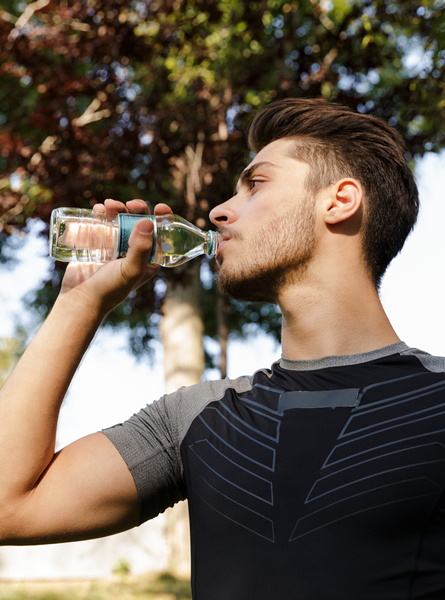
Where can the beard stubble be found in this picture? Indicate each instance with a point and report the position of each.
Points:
(279, 254)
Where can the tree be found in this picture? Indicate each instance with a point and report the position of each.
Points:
(126, 99)
(152, 99)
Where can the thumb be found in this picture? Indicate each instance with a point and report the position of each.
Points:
(139, 249)
(145, 227)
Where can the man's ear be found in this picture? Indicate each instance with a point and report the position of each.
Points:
(345, 201)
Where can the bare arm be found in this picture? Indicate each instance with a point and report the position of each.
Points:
(85, 490)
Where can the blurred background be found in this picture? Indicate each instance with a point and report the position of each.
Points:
(143, 99)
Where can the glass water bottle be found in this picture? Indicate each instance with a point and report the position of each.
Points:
(83, 235)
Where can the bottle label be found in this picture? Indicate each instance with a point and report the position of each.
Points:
(126, 225)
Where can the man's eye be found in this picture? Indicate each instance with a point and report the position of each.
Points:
(253, 183)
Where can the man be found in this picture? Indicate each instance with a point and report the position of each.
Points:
(321, 478)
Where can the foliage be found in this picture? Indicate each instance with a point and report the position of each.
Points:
(9, 244)
(122, 567)
(146, 587)
(10, 351)
(152, 100)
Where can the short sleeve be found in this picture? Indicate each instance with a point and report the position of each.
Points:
(148, 442)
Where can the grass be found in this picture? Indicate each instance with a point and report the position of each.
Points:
(124, 587)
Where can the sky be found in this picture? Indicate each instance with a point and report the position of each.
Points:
(110, 384)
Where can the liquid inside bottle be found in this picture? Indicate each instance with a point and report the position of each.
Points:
(86, 236)
(81, 235)
(180, 241)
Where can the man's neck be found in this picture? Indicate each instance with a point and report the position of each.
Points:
(332, 319)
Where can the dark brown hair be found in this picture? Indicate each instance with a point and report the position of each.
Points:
(337, 142)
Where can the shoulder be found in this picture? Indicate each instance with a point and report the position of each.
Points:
(184, 405)
(165, 422)
(435, 364)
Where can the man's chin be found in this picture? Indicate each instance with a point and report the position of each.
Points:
(246, 288)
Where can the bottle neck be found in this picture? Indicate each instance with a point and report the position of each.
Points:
(214, 239)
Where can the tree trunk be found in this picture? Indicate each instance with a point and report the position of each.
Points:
(181, 331)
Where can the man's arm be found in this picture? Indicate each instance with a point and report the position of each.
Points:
(85, 490)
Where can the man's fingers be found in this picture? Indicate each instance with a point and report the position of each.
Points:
(162, 209)
(113, 206)
(138, 207)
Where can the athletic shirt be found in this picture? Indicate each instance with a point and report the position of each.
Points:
(314, 480)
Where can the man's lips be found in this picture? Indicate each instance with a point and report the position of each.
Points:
(224, 239)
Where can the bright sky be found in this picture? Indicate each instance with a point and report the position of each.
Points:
(110, 385)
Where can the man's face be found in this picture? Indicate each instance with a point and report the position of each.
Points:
(268, 227)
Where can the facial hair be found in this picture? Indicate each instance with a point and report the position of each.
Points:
(278, 255)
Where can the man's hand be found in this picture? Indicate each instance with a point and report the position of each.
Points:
(113, 281)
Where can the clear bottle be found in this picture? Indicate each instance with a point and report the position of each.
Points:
(83, 235)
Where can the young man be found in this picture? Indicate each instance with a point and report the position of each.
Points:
(321, 478)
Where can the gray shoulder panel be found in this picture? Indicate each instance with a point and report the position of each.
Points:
(194, 399)
(435, 364)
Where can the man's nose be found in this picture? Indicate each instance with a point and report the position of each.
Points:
(223, 214)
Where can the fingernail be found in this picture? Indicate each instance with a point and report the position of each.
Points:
(145, 226)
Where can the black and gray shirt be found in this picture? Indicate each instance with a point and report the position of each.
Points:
(314, 480)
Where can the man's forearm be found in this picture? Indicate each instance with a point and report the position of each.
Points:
(31, 398)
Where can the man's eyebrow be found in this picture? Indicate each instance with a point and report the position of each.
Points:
(247, 173)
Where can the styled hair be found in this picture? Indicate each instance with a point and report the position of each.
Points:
(337, 142)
